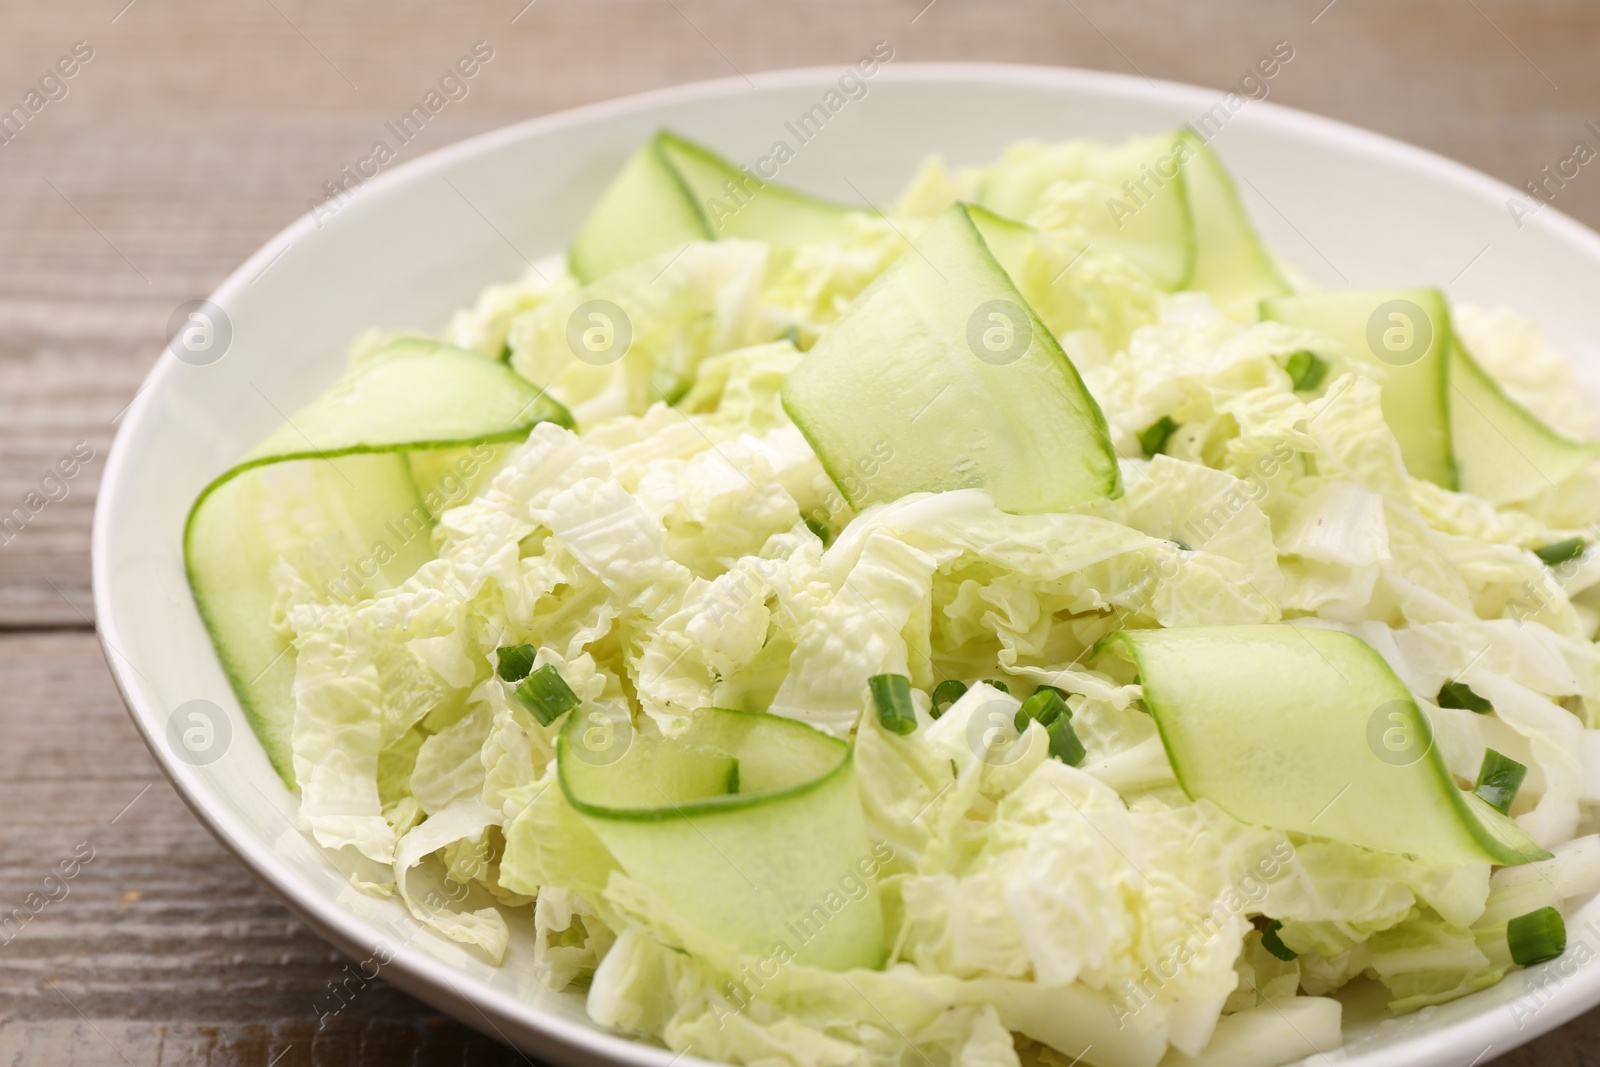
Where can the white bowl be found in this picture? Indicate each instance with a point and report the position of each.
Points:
(421, 240)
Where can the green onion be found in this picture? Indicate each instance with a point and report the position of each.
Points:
(1460, 695)
(515, 661)
(546, 694)
(1274, 944)
(1048, 707)
(995, 683)
(945, 694)
(1062, 693)
(818, 527)
(1498, 781)
(892, 694)
(1560, 551)
(1536, 937)
(1153, 438)
(1306, 370)
(1064, 743)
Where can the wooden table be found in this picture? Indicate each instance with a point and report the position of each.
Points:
(197, 130)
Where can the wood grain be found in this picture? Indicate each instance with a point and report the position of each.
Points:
(200, 129)
(162, 949)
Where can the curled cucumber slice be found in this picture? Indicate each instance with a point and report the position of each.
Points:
(1456, 425)
(940, 376)
(673, 191)
(333, 488)
(1230, 262)
(1309, 730)
(746, 825)
(1506, 453)
(1406, 334)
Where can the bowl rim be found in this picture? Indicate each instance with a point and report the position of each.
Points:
(435, 981)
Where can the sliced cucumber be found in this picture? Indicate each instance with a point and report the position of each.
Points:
(645, 211)
(1140, 207)
(249, 519)
(1009, 241)
(782, 859)
(1505, 452)
(1308, 730)
(438, 398)
(673, 191)
(1407, 333)
(332, 490)
(939, 376)
(1230, 262)
(737, 203)
(1455, 424)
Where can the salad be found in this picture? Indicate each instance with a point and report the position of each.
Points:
(1019, 625)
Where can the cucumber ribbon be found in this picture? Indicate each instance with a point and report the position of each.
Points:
(1308, 730)
(673, 192)
(336, 485)
(746, 826)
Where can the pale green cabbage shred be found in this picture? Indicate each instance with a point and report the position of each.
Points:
(665, 558)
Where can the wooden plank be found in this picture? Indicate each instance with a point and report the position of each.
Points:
(411, 1035)
(62, 718)
(161, 947)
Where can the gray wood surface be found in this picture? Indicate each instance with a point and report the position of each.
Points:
(199, 129)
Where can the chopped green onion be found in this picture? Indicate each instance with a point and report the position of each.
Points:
(546, 694)
(1536, 937)
(1064, 743)
(995, 683)
(945, 694)
(1498, 781)
(1306, 370)
(1062, 693)
(892, 694)
(1274, 944)
(1460, 695)
(1153, 438)
(515, 661)
(1560, 551)
(1048, 707)
(818, 527)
